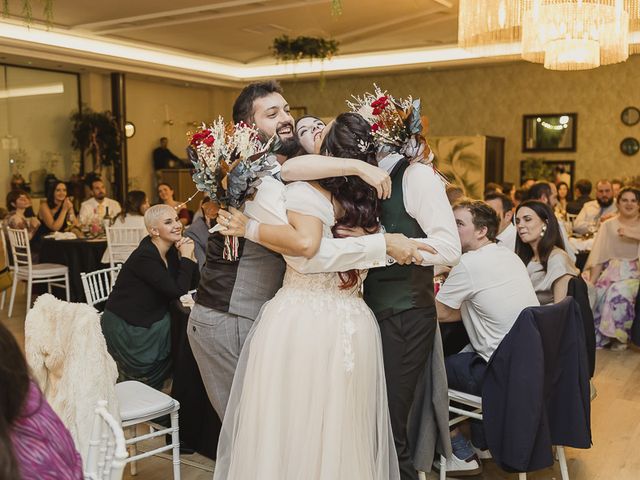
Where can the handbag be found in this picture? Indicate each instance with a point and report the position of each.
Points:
(6, 280)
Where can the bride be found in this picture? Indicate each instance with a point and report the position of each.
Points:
(309, 399)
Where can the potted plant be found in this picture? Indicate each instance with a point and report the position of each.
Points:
(96, 135)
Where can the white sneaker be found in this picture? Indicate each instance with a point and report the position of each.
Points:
(457, 467)
(482, 454)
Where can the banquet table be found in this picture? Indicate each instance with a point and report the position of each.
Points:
(81, 255)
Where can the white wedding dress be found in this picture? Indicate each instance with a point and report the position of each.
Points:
(309, 399)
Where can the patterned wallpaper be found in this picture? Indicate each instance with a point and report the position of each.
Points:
(491, 100)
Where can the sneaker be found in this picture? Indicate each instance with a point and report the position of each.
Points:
(482, 454)
(457, 467)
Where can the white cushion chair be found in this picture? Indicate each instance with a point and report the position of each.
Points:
(121, 241)
(470, 406)
(107, 451)
(98, 285)
(25, 270)
(139, 404)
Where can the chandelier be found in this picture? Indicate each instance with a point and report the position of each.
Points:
(561, 34)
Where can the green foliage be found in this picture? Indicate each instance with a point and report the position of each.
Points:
(27, 10)
(285, 48)
(96, 134)
(536, 168)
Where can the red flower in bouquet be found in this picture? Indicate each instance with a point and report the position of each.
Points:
(200, 137)
(379, 105)
(375, 127)
(209, 141)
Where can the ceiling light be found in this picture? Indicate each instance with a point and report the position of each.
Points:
(561, 34)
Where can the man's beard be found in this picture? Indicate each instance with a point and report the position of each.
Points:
(289, 147)
(605, 203)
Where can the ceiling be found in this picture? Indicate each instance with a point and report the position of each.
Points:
(227, 42)
(243, 30)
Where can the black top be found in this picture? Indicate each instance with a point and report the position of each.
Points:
(162, 156)
(576, 205)
(145, 286)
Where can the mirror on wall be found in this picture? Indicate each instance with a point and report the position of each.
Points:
(554, 132)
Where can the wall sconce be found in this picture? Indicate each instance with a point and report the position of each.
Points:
(129, 129)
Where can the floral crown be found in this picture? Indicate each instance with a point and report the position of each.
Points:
(394, 122)
(229, 161)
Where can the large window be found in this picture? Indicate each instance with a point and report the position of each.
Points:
(35, 126)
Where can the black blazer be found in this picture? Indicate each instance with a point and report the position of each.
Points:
(145, 286)
(536, 388)
(578, 289)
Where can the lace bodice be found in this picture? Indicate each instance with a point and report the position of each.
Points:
(302, 198)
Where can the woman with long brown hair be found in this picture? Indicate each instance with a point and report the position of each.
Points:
(540, 246)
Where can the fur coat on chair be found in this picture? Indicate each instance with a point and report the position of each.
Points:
(68, 357)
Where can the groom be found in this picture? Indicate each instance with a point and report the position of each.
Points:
(402, 296)
(231, 294)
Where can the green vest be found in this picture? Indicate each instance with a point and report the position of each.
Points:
(397, 288)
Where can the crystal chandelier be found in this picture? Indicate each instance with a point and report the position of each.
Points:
(561, 34)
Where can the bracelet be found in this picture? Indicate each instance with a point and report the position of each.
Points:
(252, 231)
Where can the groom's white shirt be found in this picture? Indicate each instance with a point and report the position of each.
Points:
(425, 200)
(334, 254)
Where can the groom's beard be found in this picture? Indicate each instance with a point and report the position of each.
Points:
(289, 147)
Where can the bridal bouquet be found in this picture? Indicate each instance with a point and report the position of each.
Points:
(229, 161)
(396, 124)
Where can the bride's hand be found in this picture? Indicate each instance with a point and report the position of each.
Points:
(233, 222)
(376, 177)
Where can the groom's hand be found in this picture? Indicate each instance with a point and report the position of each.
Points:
(404, 250)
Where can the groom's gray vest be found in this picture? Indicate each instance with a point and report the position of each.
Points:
(241, 287)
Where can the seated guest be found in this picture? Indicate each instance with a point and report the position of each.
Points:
(509, 189)
(136, 321)
(581, 193)
(199, 229)
(616, 186)
(492, 187)
(134, 208)
(613, 268)
(596, 211)
(487, 290)
(35, 443)
(165, 196)
(519, 196)
(541, 249)
(98, 205)
(563, 200)
(56, 214)
(20, 213)
(547, 192)
(504, 208)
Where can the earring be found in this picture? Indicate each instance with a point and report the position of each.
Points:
(544, 229)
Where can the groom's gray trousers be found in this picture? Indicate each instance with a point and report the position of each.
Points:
(216, 339)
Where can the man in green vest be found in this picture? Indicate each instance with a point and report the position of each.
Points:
(402, 296)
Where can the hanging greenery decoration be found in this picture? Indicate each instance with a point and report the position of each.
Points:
(96, 134)
(286, 49)
(27, 11)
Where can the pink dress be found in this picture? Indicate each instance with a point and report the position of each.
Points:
(42, 444)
